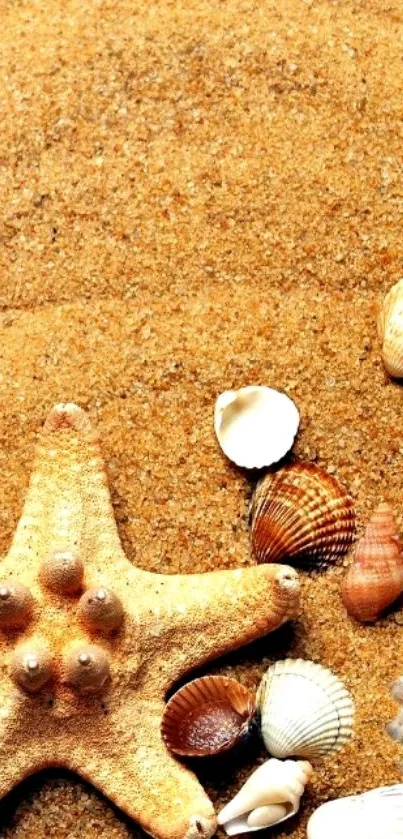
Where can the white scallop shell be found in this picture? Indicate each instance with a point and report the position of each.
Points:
(390, 330)
(256, 425)
(271, 795)
(377, 814)
(305, 710)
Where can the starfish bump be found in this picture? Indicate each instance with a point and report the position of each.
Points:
(91, 644)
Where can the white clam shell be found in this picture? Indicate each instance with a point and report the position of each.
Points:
(305, 710)
(256, 425)
(377, 814)
(271, 795)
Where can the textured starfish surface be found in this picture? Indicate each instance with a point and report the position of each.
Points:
(84, 674)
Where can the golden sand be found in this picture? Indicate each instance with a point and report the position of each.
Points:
(195, 196)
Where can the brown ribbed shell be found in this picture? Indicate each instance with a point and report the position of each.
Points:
(207, 716)
(301, 515)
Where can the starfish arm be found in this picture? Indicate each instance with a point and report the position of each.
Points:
(67, 505)
(21, 753)
(202, 616)
(136, 773)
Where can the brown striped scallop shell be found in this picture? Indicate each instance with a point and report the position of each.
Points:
(301, 515)
(207, 716)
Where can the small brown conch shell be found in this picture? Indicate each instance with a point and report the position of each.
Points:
(375, 579)
(301, 514)
(390, 330)
(207, 716)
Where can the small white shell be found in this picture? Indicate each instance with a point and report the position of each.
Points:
(377, 814)
(271, 795)
(305, 710)
(256, 425)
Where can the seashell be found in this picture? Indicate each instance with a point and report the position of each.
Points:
(305, 710)
(271, 795)
(207, 716)
(377, 814)
(384, 521)
(301, 514)
(256, 425)
(390, 330)
(375, 579)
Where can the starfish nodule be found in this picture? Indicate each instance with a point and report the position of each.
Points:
(90, 644)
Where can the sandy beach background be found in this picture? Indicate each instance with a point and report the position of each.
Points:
(197, 196)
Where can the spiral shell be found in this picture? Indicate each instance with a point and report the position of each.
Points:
(305, 710)
(375, 579)
(256, 425)
(377, 814)
(303, 515)
(271, 795)
(207, 716)
(384, 520)
(390, 330)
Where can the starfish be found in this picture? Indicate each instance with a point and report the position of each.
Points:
(90, 644)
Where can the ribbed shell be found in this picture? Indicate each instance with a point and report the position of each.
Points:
(377, 814)
(302, 515)
(375, 579)
(270, 795)
(390, 330)
(207, 716)
(305, 710)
